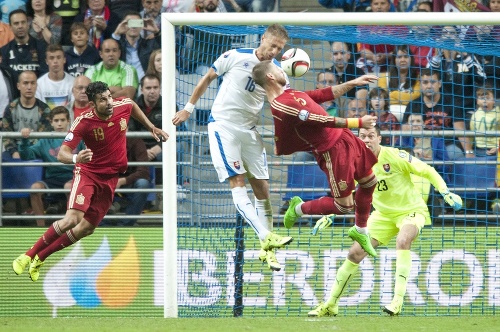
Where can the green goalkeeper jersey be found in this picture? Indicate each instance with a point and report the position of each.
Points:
(395, 192)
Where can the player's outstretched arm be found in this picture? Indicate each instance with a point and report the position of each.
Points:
(452, 199)
(138, 114)
(66, 155)
(341, 89)
(198, 91)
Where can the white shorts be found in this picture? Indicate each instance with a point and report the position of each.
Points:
(237, 151)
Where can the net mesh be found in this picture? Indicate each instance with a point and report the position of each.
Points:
(455, 261)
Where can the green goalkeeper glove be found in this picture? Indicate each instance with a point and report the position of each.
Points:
(323, 222)
(452, 200)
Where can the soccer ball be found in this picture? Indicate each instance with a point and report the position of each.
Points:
(295, 62)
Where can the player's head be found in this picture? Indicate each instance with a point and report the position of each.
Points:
(100, 99)
(59, 118)
(272, 42)
(372, 138)
(266, 72)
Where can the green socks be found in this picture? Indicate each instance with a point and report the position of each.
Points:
(403, 267)
(344, 275)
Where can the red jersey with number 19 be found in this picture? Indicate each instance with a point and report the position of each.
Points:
(106, 138)
(301, 124)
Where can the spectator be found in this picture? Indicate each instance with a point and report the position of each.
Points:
(8, 90)
(68, 11)
(344, 68)
(80, 101)
(425, 6)
(6, 34)
(338, 106)
(251, 6)
(356, 109)
(154, 63)
(378, 99)
(120, 77)
(122, 7)
(45, 25)
(54, 88)
(8, 6)
(23, 52)
(440, 112)
(421, 54)
(347, 5)
(136, 177)
(25, 114)
(152, 9)
(136, 50)
(99, 21)
(55, 177)
(82, 55)
(401, 81)
(485, 119)
(200, 49)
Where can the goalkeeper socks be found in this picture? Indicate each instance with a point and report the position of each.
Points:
(62, 242)
(344, 275)
(264, 211)
(50, 235)
(363, 200)
(403, 267)
(324, 205)
(247, 211)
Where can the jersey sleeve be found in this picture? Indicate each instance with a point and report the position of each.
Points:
(414, 165)
(74, 136)
(224, 62)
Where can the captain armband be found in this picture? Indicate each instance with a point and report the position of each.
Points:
(354, 123)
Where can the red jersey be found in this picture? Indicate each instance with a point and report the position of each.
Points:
(301, 124)
(106, 138)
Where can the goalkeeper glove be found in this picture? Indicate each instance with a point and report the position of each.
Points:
(323, 222)
(452, 200)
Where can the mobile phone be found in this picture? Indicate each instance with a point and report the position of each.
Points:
(135, 23)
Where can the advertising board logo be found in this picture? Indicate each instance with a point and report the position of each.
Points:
(100, 279)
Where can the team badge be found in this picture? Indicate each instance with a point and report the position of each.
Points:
(387, 167)
(80, 199)
(123, 124)
(68, 137)
(237, 164)
(303, 115)
(342, 185)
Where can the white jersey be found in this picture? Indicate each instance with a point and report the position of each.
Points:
(239, 100)
(55, 93)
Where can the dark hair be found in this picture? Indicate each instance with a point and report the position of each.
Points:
(132, 13)
(430, 72)
(58, 110)
(481, 92)
(394, 83)
(53, 48)
(94, 89)
(150, 77)
(49, 8)
(381, 93)
(77, 26)
(17, 11)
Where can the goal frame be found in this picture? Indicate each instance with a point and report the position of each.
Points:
(171, 20)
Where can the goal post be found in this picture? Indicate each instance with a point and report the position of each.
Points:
(305, 27)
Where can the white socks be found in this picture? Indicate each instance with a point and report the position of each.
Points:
(248, 212)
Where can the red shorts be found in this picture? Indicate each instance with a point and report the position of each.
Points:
(348, 160)
(92, 193)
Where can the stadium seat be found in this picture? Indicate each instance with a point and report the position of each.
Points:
(20, 177)
(306, 176)
(475, 174)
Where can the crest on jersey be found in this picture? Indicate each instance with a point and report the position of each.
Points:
(237, 164)
(387, 167)
(303, 115)
(123, 124)
(342, 185)
(68, 137)
(80, 199)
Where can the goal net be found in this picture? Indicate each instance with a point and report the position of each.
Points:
(210, 255)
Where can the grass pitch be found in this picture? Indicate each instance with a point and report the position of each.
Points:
(283, 324)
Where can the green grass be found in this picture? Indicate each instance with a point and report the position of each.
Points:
(292, 324)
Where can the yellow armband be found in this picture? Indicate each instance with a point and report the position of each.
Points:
(353, 122)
